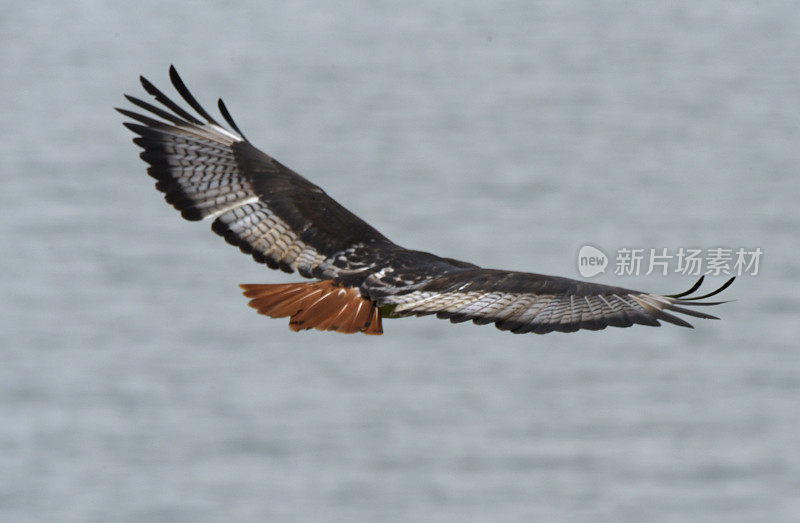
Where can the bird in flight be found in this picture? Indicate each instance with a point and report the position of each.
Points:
(208, 171)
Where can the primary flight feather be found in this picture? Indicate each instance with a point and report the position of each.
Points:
(207, 171)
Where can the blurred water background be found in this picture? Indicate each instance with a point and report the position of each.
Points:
(136, 385)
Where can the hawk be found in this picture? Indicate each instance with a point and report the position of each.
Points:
(211, 172)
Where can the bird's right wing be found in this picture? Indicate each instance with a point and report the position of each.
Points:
(524, 302)
(209, 172)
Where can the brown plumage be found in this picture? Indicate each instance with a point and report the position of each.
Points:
(321, 305)
(207, 171)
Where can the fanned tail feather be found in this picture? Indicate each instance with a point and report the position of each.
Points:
(321, 305)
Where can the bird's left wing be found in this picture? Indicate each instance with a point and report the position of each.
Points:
(524, 302)
(209, 172)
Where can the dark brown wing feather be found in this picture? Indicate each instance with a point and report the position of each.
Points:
(258, 204)
(524, 302)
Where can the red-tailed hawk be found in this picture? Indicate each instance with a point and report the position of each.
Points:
(207, 171)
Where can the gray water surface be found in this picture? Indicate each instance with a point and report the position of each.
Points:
(136, 385)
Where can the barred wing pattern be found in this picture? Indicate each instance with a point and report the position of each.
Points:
(258, 204)
(208, 171)
(525, 302)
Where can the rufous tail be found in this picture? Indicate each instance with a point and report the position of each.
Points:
(322, 305)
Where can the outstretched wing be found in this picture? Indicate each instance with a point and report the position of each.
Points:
(258, 204)
(524, 302)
